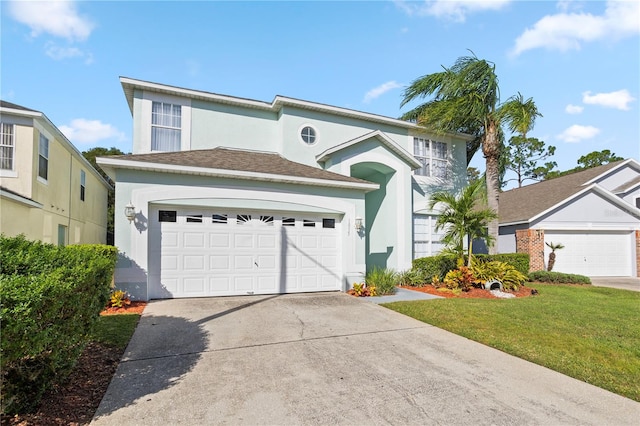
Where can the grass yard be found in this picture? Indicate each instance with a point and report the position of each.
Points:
(589, 333)
(115, 330)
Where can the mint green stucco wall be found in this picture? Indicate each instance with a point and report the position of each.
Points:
(214, 125)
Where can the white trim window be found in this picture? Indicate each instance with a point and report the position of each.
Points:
(7, 146)
(166, 126)
(83, 184)
(426, 240)
(43, 157)
(432, 155)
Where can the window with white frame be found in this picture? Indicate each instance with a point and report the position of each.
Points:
(7, 146)
(433, 157)
(43, 157)
(83, 184)
(426, 240)
(166, 126)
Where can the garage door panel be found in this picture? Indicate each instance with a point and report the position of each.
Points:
(243, 241)
(235, 257)
(193, 240)
(194, 286)
(220, 263)
(169, 239)
(219, 240)
(219, 285)
(242, 262)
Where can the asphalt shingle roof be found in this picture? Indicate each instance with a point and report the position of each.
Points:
(240, 160)
(5, 104)
(521, 204)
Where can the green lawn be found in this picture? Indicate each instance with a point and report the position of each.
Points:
(589, 333)
(115, 330)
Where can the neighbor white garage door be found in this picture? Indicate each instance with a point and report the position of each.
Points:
(198, 253)
(592, 254)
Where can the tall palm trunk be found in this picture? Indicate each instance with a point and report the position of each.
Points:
(491, 151)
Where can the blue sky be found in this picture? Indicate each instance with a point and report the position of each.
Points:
(579, 60)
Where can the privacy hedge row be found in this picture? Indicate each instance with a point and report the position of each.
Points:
(50, 298)
(440, 265)
(558, 278)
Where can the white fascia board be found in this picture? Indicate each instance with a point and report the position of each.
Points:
(233, 174)
(630, 161)
(386, 141)
(596, 188)
(20, 112)
(130, 84)
(521, 222)
(20, 199)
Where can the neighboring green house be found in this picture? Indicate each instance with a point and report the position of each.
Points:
(234, 196)
(48, 190)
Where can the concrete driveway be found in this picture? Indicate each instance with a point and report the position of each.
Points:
(623, 283)
(329, 358)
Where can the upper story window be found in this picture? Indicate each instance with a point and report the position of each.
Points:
(308, 135)
(433, 157)
(43, 157)
(166, 126)
(7, 146)
(83, 184)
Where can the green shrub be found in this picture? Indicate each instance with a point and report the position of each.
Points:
(507, 274)
(384, 280)
(435, 265)
(459, 279)
(413, 278)
(520, 261)
(50, 298)
(558, 278)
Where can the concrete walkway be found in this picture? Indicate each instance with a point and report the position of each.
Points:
(623, 283)
(330, 358)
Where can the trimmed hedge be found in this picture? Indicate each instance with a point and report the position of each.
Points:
(520, 261)
(441, 264)
(50, 298)
(435, 265)
(558, 278)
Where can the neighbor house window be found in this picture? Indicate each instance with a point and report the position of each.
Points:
(638, 202)
(43, 158)
(166, 125)
(433, 157)
(83, 183)
(7, 145)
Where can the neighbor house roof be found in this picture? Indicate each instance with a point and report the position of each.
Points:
(627, 185)
(523, 204)
(235, 164)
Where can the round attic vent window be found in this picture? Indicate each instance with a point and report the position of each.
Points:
(308, 135)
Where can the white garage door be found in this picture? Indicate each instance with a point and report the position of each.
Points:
(216, 253)
(595, 254)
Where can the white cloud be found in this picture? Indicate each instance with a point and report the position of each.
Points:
(84, 131)
(565, 31)
(59, 53)
(456, 11)
(58, 18)
(618, 100)
(380, 90)
(576, 133)
(573, 109)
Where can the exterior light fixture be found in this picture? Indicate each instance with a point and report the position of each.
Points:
(130, 212)
(358, 224)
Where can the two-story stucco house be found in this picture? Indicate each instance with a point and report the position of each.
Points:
(233, 196)
(48, 190)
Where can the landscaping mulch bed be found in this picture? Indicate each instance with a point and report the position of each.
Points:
(474, 293)
(76, 400)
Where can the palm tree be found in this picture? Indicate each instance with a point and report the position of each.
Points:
(520, 114)
(466, 99)
(552, 255)
(461, 216)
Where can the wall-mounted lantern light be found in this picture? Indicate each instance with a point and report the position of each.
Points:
(130, 212)
(358, 224)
